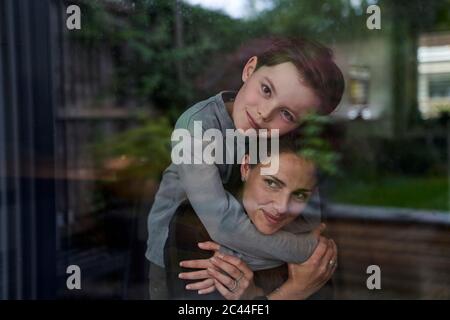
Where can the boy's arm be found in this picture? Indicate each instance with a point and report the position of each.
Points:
(227, 223)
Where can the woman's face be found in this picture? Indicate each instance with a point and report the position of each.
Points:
(272, 98)
(273, 201)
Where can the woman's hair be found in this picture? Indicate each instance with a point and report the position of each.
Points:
(289, 143)
(315, 65)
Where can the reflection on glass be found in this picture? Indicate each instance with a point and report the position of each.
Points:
(86, 118)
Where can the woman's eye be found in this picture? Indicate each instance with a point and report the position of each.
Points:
(301, 197)
(266, 90)
(287, 116)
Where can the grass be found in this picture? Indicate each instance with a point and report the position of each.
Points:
(402, 191)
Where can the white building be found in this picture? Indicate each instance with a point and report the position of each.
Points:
(434, 74)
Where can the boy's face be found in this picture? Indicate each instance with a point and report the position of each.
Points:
(272, 98)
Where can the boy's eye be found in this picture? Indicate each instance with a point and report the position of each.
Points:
(287, 115)
(270, 183)
(266, 90)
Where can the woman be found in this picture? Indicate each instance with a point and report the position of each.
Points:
(272, 202)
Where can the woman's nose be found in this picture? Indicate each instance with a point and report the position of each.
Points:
(281, 205)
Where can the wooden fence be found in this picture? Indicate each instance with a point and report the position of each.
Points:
(412, 249)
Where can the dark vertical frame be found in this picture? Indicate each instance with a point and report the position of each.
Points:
(3, 208)
(44, 120)
(29, 133)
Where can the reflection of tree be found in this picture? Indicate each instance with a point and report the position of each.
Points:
(315, 145)
(160, 46)
(134, 160)
(326, 20)
(171, 53)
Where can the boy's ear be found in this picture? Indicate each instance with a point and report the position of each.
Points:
(249, 68)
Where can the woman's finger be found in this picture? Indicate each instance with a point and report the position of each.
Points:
(194, 275)
(196, 264)
(325, 264)
(319, 252)
(209, 245)
(200, 285)
(330, 273)
(208, 290)
(334, 257)
(224, 279)
(328, 256)
(335, 249)
(334, 268)
(223, 290)
(227, 267)
(239, 264)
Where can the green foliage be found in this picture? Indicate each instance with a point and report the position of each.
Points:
(393, 191)
(141, 153)
(149, 64)
(443, 108)
(321, 20)
(442, 22)
(142, 34)
(315, 147)
(94, 19)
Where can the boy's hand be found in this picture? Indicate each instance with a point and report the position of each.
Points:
(206, 285)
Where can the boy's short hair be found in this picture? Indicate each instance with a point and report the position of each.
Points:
(315, 65)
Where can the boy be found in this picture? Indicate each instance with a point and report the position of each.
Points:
(291, 78)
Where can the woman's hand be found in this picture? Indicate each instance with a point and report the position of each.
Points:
(206, 282)
(233, 278)
(228, 274)
(306, 278)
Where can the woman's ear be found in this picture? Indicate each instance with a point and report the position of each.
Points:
(249, 68)
(245, 167)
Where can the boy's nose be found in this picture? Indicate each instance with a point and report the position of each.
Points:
(264, 112)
